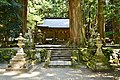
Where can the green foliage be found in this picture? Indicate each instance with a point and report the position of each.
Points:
(90, 58)
(89, 11)
(86, 55)
(39, 9)
(6, 54)
(107, 52)
(34, 11)
(110, 9)
(109, 34)
(10, 19)
(43, 54)
(112, 14)
(74, 57)
(32, 54)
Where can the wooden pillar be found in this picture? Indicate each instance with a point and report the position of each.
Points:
(24, 15)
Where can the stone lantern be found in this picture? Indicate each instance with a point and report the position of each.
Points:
(98, 44)
(19, 62)
(20, 43)
(98, 61)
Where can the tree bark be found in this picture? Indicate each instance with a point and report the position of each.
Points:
(24, 15)
(77, 33)
(101, 18)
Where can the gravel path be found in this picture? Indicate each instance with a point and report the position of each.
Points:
(40, 73)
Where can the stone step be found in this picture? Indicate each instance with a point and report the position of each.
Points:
(60, 55)
(61, 58)
(60, 63)
(61, 51)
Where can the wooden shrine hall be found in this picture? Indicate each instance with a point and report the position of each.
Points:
(55, 30)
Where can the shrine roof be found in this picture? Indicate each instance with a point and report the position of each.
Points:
(55, 23)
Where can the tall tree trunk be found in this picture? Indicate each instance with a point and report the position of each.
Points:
(101, 18)
(116, 28)
(24, 15)
(116, 23)
(77, 33)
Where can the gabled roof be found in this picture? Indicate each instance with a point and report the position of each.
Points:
(55, 23)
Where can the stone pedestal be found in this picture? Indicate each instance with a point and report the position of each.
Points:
(19, 62)
(100, 61)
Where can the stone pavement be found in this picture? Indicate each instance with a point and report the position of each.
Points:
(40, 73)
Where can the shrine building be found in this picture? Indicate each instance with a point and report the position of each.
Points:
(55, 30)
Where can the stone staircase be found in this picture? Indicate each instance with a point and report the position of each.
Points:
(60, 57)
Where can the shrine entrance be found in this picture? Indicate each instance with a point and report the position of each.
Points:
(76, 30)
(55, 26)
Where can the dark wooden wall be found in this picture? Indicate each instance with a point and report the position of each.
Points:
(56, 33)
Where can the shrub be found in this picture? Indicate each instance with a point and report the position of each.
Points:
(107, 52)
(7, 54)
